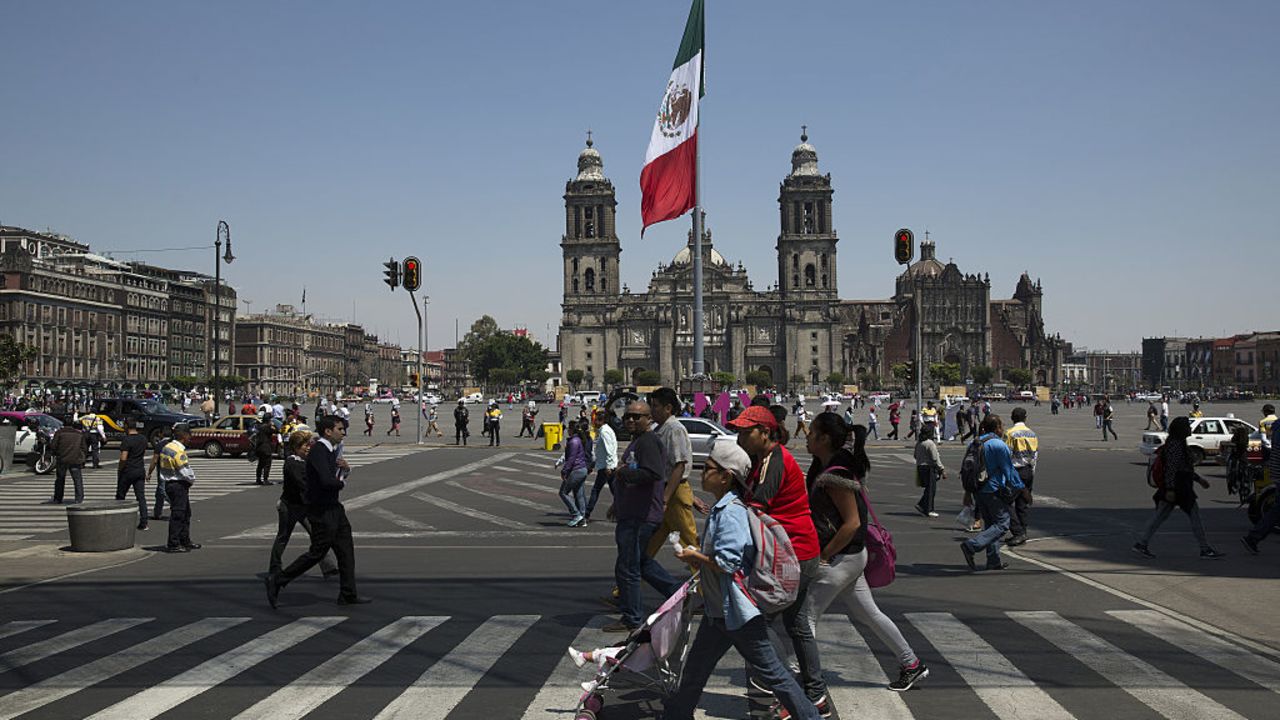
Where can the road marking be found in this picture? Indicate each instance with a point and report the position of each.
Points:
(531, 463)
(400, 520)
(18, 627)
(331, 677)
(908, 459)
(38, 651)
(531, 504)
(555, 699)
(169, 694)
(73, 681)
(1152, 687)
(1247, 665)
(1053, 502)
(856, 681)
(507, 468)
(469, 512)
(529, 485)
(996, 681)
(443, 685)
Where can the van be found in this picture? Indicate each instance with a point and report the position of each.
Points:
(1026, 395)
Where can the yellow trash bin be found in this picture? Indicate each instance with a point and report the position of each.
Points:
(552, 433)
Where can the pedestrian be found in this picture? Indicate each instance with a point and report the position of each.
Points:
(637, 507)
(895, 417)
(178, 476)
(1054, 403)
(1097, 417)
(1024, 448)
(573, 473)
(433, 422)
(330, 529)
(461, 416)
(395, 421)
(1174, 490)
(264, 450)
(929, 470)
(993, 496)
(527, 415)
(1108, 417)
(605, 459)
(873, 423)
(368, 419)
(734, 411)
(1152, 416)
(838, 503)
(776, 486)
(730, 618)
(131, 473)
(914, 425)
(678, 500)
(1271, 517)
(494, 419)
(802, 418)
(70, 447)
(929, 418)
(848, 414)
(291, 508)
(96, 436)
(1195, 411)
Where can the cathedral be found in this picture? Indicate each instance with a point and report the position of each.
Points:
(798, 331)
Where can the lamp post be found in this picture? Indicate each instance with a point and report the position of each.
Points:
(218, 258)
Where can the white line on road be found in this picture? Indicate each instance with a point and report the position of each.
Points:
(556, 698)
(529, 485)
(1001, 685)
(18, 627)
(856, 680)
(1152, 687)
(443, 685)
(535, 464)
(908, 459)
(468, 512)
(400, 520)
(331, 677)
(522, 502)
(73, 681)
(38, 651)
(508, 468)
(161, 698)
(1247, 665)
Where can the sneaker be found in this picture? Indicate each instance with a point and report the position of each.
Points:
(933, 514)
(1017, 540)
(1250, 544)
(824, 707)
(590, 685)
(574, 522)
(192, 546)
(968, 555)
(922, 511)
(143, 526)
(1211, 554)
(579, 658)
(611, 601)
(1001, 565)
(354, 600)
(1141, 549)
(177, 549)
(909, 677)
(618, 627)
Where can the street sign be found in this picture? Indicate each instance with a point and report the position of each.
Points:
(412, 277)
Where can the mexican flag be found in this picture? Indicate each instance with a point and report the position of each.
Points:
(670, 164)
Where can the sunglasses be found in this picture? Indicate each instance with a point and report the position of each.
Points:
(635, 416)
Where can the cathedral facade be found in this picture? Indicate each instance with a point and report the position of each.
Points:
(798, 330)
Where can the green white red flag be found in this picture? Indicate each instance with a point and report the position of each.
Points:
(669, 176)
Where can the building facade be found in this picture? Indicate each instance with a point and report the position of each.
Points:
(798, 330)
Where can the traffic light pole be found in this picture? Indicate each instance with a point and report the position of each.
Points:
(919, 354)
(413, 298)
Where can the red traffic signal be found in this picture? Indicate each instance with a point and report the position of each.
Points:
(904, 246)
(412, 277)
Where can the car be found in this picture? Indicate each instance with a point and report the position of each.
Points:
(431, 399)
(474, 398)
(156, 417)
(956, 399)
(1149, 397)
(228, 436)
(703, 434)
(1254, 452)
(1207, 436)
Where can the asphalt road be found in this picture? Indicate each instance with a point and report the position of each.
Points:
(478, 588)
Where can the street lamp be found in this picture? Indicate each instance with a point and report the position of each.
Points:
(218, 258)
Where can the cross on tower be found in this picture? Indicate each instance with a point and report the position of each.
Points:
(588, 137)
(804, 133)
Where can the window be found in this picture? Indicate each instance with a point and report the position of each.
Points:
(590, 277)
(813, 336)
(809, 275)
(588, 341)
(589, 216)
(588, 354)
(808, 228)
(1208, 427)
(575, 266)
(795, 261)
(575, 286)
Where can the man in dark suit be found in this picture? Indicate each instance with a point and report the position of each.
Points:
(330, 529)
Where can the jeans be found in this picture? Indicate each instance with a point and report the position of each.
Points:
(571, 492)
(603, 477)
(1106, 428)
(995, 521)
(161, 499)
(179, 513)
(1164, 423)
(95, 449)
(873, 431)
(262, 474)
(843, 579)
(928, 479)
(798, 622)
(1163, 510)
(60, 481)
(893, 434)
(752, 642)
(632, 538)
(291, 515)
(138, 481)
(1021, 505)
(330, 530)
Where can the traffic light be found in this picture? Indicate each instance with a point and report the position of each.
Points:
(911, 371)
(413, 379)
(391, 274)
(412, 279)
(904, 246)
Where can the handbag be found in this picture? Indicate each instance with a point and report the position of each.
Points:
(882, 557)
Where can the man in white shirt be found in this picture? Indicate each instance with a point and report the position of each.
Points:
(606, 459)
(1164, 414)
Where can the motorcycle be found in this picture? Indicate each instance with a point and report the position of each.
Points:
(41, 459)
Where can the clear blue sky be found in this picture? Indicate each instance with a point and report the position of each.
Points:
(1125, 153)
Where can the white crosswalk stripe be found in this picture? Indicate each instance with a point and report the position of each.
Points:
(23, 514)
(434, 689)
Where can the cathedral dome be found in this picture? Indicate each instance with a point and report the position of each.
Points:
(590, 164)
(685, 257)
(927, 265)
(804, 159)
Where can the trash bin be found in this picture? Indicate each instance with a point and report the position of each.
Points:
(8, 438)
(102, 526)
(552, 432)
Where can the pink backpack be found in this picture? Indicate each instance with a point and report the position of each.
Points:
(773, 580)
(881, 555)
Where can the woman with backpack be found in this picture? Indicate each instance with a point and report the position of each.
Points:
(1172, 473)
(731, 617)
(573, 473)
(838, 503)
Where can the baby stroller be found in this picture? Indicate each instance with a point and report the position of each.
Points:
(651, 658)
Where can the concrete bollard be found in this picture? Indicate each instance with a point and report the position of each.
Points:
(102, 526)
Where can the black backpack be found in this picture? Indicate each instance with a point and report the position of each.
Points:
(973, 468)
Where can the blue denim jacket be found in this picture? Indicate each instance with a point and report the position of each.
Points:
(727, 541)
(999, 461)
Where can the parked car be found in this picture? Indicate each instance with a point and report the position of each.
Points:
(1207, 436)
(474, 398)
(1254, 453)
(156, 417)
(703, 434)
(228, 436)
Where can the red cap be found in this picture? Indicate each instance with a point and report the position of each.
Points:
(752, 416)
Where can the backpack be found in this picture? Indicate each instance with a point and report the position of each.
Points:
(973, 468)
(882, 557)
(773, 580)
(1155, 469)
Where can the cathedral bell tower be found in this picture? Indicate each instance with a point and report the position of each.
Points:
(807, 242)
(590, 241)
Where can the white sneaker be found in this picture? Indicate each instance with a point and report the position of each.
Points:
(590, 686)
(933, 514)
(579, 659)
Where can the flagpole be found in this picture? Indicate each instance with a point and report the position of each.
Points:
(699, 369)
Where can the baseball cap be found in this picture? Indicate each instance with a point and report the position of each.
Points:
(726, 453)
(752, 416)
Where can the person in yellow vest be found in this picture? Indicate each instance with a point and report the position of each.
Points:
(177, 475)
(493, 419)
(1268, 419)
(1195, 411)
(97, 435)
(1024, 447)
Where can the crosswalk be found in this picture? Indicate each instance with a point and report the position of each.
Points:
(428, 666)
(23, 515)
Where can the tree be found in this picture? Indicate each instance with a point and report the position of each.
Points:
(503, 350)
(759, 378)
(835, 380)
(796, 380)
(504, 377)
(13, 356)
(613, 376)
(574, 377)
(899, 371)
(184, 382)
(648, 377)
(725, 379)
(945, 373)
(481, 330)
(1018, 376)
(983, 374)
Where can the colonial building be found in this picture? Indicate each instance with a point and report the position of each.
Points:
(798, 330)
